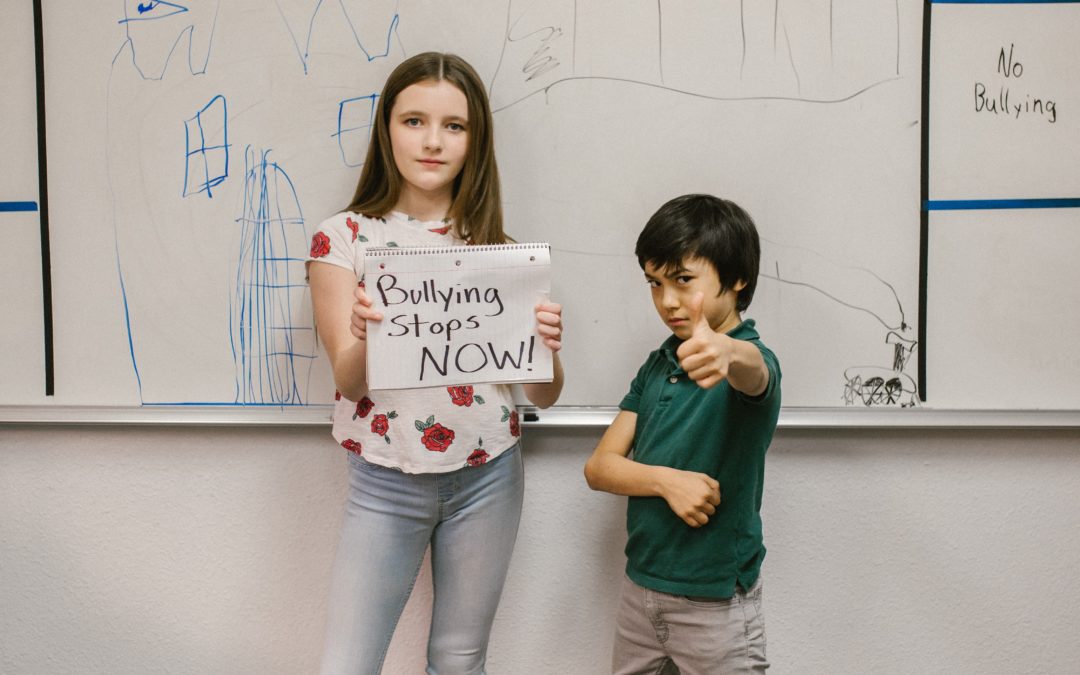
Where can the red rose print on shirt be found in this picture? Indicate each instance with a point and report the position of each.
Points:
(478, 456)
(354, 227)
(463, 396)
(363, 407)
(512, 416)
(351, 445)
(320, 245)
(439, 230)
(337, 395)
(436, 438)
(380, 424)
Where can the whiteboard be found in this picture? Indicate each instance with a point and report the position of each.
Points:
(195, 147)
(1003, 224)
(22, 326)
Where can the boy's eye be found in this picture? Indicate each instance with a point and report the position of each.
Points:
(653, 283)
(684, 279)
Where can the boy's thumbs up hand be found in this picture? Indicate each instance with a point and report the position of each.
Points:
(706, 354)
(698, 322)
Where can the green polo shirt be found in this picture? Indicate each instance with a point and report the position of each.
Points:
(720, 432)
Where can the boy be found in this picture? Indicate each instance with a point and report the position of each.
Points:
(699, 416)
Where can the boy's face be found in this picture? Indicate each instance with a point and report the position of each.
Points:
(674, 288)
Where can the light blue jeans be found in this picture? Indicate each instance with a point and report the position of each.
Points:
(469, 516)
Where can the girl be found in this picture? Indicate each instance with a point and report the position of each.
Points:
(438, 466)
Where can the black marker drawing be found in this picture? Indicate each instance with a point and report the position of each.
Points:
(782, 50)
(860, 290)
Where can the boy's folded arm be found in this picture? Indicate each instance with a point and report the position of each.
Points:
(610, 470)
(692, 496)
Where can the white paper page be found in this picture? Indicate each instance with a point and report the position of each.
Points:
(457, 315)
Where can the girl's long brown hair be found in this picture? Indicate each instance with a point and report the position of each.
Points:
(476, 209)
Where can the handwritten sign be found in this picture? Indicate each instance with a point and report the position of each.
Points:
(456, 315)
(1003, 101)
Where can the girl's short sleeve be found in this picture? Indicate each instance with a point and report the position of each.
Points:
(337, 242)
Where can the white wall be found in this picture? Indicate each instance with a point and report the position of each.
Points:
(207, 550)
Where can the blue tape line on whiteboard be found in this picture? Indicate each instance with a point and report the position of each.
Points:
(981, 204)
(18, 206)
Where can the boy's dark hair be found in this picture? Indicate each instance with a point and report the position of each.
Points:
(704, 226)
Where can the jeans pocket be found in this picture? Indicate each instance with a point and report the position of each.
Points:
(358, 463)
(702, 601)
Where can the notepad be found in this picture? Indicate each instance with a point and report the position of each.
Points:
(456, 315)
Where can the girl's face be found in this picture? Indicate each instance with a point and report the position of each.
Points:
(429, 136)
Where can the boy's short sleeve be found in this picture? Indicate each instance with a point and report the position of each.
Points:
(772, 390)
(632, 400)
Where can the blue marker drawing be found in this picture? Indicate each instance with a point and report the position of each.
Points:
(152, 46)
(265, 312)
(149, 11)
(304, 51)
(355, 117)
(386, 47)
(207, 165)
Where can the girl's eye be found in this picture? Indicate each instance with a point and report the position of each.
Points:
(412, 122)
(454, 126)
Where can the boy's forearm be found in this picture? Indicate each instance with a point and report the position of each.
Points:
(620, 475)
(748, 372)
(692, 496)
(609, 469)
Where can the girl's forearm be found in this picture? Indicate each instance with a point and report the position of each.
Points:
(545, 394)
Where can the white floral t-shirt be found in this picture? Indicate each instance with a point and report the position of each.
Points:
(428, 430)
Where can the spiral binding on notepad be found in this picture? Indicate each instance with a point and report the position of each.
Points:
(427, 250)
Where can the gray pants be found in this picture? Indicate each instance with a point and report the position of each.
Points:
(661, 634)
